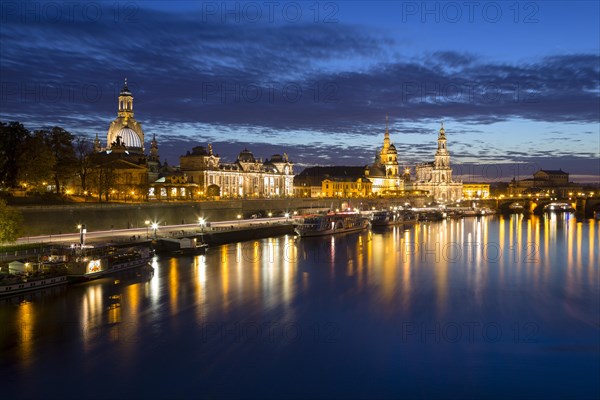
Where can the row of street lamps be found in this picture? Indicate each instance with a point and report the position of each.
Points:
(149, 224)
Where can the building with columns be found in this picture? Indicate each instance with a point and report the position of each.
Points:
(247, 176)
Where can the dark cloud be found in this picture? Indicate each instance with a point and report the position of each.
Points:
(269, 79)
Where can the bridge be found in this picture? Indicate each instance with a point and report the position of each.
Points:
(585, 207)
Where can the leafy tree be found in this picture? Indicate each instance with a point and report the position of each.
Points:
(10, 223)
(12, 137)
(36, 162)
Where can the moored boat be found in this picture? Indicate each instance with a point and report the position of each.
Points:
(20, 284)
(430, 215)
(389, 218)
(190, 246)
(94, 263)
(332, 223)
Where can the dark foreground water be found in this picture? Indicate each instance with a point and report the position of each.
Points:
(488, 307)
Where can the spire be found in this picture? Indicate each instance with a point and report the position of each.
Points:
(442, 139)
(97, 146)
(386, 137)
(386, 124)
(125, 90)
(154, 149)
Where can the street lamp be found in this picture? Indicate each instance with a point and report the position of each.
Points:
(147, 222)
(201, 222)
(82, 232)
(154, 227)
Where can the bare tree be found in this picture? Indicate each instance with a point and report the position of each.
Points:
(83, 151)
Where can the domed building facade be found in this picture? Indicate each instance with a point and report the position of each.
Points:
(125, 125)
(121, 171)
(384, 173)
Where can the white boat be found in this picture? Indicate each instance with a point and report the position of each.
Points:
(94, 263)
(20, 284)
(332, 223)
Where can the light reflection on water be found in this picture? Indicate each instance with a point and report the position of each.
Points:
(373, 299)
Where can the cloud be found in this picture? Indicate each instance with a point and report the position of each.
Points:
(268, 81)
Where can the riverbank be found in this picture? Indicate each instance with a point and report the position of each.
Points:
(60, 219)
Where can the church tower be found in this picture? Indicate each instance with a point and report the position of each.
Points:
(436, 177)
(125, 126)
(153, 161)
(125, 102)
(441, 161)
(97, 146)
(388, 155)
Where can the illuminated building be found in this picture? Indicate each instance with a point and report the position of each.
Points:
(125, 126)
(121, 170)
(436, 177)
(552, 182)
(245, 177)
(385, 172)
(384, 177)
(476, 190)
(346, 187)
(311, 181)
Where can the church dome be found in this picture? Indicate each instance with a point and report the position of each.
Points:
(129, 137)
(199, 151)
(392, 149)
(246, 156)
(376, 171)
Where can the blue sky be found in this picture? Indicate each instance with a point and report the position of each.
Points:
(517, 83)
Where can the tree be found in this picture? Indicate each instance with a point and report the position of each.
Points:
(12, 137)
(103, 179)
(36, 162)
(60, 142)
(10, 223)
(83, 150)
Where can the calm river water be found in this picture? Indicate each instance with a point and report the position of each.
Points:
(484, 307)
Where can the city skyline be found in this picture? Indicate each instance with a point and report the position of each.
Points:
(317, 82)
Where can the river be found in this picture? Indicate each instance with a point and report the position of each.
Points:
(491, 307)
